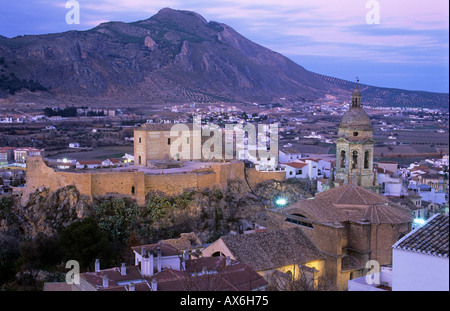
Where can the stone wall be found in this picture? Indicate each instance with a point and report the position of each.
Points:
(135, 184)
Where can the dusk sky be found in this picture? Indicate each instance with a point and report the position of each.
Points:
(407, 49)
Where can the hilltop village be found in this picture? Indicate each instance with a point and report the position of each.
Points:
(240, 208)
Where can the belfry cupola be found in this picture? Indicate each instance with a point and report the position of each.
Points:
(356, 98)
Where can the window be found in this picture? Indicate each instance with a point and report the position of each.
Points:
(132, 190)
(300, 220)
(187, 140)
(366, 159)
(217, 254)
(139, 160)
(168, 141)
(140, 140)
(343, 159)
(355, 159)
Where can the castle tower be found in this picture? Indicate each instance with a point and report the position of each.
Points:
(354, 146)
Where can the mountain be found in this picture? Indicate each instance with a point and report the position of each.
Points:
(173, 57)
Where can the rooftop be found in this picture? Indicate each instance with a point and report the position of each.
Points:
(430, 239)
(350, 203)
(261, 250)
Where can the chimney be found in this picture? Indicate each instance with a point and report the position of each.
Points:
(123, 269)
(132, 287)
(105, 281)
(154, 285)
(186, 255)
(97, 265)
(158, 259)
(227, 261)
(204, 270)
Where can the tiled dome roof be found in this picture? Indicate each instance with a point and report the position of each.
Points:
(356, 117)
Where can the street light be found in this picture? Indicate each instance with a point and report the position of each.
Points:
(281, 202)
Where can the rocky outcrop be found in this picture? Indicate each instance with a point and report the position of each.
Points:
(46, 212)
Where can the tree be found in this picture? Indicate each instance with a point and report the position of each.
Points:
(85, 241)
(117, 218)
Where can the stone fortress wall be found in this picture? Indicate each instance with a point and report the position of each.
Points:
(135, 183)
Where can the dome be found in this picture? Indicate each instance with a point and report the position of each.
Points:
(356, 118)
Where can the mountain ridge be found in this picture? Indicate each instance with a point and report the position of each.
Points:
(174, 56)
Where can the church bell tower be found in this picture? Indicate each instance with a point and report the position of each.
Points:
(354, 146)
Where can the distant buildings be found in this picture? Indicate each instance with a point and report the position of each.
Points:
(21, 154)
(6, 155)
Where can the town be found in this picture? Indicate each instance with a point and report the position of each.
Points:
(348, 187)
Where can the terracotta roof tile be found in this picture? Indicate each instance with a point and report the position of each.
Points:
(262, 250)
(430, 239)
(350, 203)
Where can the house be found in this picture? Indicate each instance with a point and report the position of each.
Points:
(435, 181)
(324, 166)
(427, 193)
(111, 162)
(74, 145)
(6, 155)
(186, 242)
(286, 155)
(88, 164)
(160, 267)
(391, 183)
(420, 258)
(305, 168)
(295, 170)
(4, 189)
(21, 154)
(65, 164)
(285, 250)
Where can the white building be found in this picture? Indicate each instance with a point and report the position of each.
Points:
(295, 169)
(111, 162)
(305, 168)
(74, 145)
(430, 194)
(88, 164)
(289, 155)
(420, 259)
(378, 281)
(21, 154)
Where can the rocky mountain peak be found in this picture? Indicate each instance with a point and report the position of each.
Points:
(173, 57)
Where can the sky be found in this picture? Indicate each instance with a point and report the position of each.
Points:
(388, 43)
